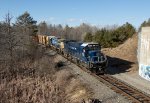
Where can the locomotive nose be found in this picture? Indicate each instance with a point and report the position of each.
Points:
(94, 56)
(93, 53)
(97, 57)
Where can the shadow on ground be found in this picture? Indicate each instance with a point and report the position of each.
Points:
(117, 65)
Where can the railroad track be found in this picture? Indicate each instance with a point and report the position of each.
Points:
(120, 87)
(124, 89)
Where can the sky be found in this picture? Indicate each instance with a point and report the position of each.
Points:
(75, 12)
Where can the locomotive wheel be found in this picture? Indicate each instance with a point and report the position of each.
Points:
(77, 61)
(62, 52)
(100, 71)
(90, 66)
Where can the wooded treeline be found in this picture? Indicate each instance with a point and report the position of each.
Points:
(66, 32)
(108, 36)
(111, 37)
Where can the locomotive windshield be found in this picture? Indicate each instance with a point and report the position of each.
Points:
(93, 47)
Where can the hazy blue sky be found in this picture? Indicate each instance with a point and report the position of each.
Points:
(74, 12)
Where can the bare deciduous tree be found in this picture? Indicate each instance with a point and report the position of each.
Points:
(8, 43)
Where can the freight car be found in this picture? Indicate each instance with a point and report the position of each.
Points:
(86, 54)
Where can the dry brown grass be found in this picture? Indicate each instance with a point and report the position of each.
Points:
(31, 84)
(30, 90)
(41, 82)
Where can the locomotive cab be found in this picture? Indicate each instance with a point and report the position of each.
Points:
(94, 57)
(91, 52)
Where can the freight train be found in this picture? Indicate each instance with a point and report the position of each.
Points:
(86, 54)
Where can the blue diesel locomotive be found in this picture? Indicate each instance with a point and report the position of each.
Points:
(87, 54)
